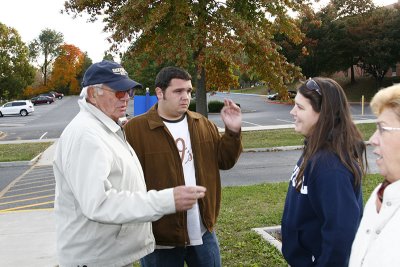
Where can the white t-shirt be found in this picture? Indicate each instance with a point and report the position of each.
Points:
(180, 132)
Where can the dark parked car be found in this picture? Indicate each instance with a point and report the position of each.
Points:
(57, 94)
(276, 96)
(42, 100)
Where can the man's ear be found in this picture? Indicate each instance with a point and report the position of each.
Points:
(159, 93)
(91, 95)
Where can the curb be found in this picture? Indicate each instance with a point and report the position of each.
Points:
(21, 163)
(273, 149)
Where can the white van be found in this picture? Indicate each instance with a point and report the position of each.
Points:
(21, 107)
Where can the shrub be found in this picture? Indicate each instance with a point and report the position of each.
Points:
(192, 105)
(214, 106)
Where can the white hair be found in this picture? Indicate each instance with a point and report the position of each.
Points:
(84, 94)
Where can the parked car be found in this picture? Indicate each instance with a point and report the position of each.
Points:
(21, 107)
(49, 95)
(276, 96)
(57, 94)
(41, 99)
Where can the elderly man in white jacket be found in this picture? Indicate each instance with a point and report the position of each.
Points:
(103, 210)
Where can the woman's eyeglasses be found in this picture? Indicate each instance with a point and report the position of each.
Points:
(383, 129)
(121, 94)
(313, 85)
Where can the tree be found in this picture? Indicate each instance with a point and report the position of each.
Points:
(143, 70)
(87, 62)
(66, 68)
(341, 42)
(208, 33)
(15, 71)
(346, 8)
(46, 46)
(379, 46)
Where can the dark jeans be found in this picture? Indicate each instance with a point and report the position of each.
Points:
(206, 255)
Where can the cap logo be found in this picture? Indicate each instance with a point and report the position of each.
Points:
(120, 71)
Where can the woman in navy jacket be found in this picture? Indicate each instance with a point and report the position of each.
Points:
(324, 201)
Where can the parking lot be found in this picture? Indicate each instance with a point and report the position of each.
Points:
(32, 190)
(17, 120)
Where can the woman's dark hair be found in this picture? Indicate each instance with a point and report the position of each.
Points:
(166, 74)
(334, 130)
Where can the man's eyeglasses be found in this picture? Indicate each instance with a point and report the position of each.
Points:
(313, 85)
(121, 94)
(383, 129)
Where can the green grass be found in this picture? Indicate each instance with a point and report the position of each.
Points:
(247, 207)
(288, 137)
(260, 90)
(19, 152)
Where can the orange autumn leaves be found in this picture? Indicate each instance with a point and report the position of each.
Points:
(66, 68)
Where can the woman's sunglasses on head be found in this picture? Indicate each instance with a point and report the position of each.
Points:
(313, 85)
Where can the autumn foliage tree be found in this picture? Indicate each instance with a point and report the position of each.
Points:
(67, 66)
(46, 46)
(211, 34)
(15, 71)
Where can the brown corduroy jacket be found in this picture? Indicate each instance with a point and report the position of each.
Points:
(162, 166)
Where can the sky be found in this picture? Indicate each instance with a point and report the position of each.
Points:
(30, 17)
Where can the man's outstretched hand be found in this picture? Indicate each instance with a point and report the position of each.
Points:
(231, 116)
(186, 196)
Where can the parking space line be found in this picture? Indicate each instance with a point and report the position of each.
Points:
(28, 182)
(38, 178)
(25, 199)
(251, 123)
(285, 121)
(27, 206)
(8, 187)
(32, 187)
(43, 135)
(35, 176)
(25, 194)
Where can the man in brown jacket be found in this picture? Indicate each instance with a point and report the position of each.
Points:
(178, 147)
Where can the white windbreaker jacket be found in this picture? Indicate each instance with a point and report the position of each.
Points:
(103, 210)
(377, 242)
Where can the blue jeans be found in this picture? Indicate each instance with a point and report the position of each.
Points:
(206, 255)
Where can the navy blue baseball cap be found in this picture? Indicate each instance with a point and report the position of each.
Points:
(111, 74)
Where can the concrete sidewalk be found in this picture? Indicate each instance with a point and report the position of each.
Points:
(28, 238)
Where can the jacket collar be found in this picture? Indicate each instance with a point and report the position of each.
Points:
(154, 120)
(392, 191)
(99, 115)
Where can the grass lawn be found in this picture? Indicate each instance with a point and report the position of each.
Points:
(20, 152)
(288, 137)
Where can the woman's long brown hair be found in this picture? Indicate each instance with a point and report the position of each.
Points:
(334, 130)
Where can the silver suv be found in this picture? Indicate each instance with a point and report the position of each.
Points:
(21, 107)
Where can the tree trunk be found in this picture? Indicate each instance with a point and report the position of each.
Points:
(352, 79)
(45, 68)
(199, 59)
(201, 94)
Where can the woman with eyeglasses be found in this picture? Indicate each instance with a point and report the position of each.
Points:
(323, 205)
(377, 242)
